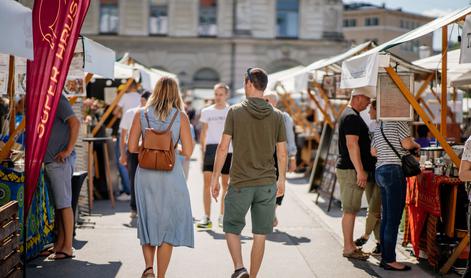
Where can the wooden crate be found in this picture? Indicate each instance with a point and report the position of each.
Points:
(10, 260)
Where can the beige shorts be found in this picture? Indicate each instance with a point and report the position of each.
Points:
(350, 192)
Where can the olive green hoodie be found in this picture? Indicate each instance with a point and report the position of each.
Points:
(255, 127)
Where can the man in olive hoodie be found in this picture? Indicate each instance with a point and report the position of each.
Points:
(256, 129)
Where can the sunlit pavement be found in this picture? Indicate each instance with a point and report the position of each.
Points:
(307, 243)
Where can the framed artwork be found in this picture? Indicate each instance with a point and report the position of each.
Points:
(328, 84)
(341, 93)
(391, 103)
(75, 87)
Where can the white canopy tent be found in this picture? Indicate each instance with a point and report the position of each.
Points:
(16, 29)
(149, 76)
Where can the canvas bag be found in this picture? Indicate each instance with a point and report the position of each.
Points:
(157, 151)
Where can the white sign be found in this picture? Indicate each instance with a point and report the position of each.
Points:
(98, 58)
(465, 55)
(360, 72)
(16, 29)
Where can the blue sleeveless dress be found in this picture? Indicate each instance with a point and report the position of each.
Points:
(162, 197)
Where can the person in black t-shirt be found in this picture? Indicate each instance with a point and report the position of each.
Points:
(354, 166)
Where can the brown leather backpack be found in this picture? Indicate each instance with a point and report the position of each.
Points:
(157, 151)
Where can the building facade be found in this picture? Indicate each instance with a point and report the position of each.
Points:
(364, 22)
(206, 41)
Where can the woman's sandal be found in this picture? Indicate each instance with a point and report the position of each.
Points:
(148, 275)
(47, 252)
(357, 254)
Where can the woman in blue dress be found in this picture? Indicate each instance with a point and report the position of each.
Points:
(162, 198)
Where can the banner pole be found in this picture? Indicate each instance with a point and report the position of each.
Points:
(23, 257)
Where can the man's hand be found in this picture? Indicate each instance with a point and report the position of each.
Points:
(123, 159)
(215, 187)
(62, 156)
(280, 188)
(292, 164)
(362, 178)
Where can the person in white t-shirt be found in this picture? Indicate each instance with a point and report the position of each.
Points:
(130, 159)
(131, 99)
(213, 119)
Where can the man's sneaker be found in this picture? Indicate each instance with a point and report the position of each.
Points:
(240, 273)
(220, 220)
(205, 224)
(124, 197)
(377, 250)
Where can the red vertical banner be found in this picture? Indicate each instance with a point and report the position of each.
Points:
(56, 27)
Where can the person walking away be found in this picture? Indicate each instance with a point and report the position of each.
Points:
(212, 119)
(373, 196)
(272, 98)
(465, 175)
(354, 167)
(59, 167)
(256, 130)
(162, 198)
(131, 99)
(392, 182)
(128, 159)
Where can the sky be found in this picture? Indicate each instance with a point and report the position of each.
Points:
(427, 7)
(433, 8)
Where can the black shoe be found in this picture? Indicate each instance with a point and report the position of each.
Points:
(240, 273)
(360, 241)
(386, 266)
(377, 250)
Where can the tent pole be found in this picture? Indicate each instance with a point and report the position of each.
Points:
(428, 122)
(443, 123)
(11, 93)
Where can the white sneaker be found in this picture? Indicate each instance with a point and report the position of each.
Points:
(220, 220)
(124, 197)
(204, 224)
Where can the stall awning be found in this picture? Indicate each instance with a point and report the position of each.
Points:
(16, 29)
(455, 70)
(338, 58)
(422, 30)
(276, 77)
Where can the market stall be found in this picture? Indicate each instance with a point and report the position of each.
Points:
(433, 206)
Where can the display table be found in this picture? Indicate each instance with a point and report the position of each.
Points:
(40, 223)
(424, 211)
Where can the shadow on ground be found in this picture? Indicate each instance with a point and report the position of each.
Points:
(365, 266)
(71, 268)
(286, 239)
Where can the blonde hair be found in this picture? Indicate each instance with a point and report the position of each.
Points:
(166, 96)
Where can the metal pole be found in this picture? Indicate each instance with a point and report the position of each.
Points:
(443, 123)
(233, 45)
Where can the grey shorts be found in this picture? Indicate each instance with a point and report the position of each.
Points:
(59, 180)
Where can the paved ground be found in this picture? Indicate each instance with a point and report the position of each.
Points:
(307, 243)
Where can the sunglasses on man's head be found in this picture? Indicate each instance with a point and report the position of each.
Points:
(249, 76)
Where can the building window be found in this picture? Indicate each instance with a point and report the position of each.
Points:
(158, 19)
(205, 78)
(371, 21)
(287, 18)
(109, 17)
(349, 22)
(208, 18)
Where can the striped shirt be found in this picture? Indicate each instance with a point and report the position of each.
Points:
(395, 131)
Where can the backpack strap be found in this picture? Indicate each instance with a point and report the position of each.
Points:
(147, 118)
(173, 120)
